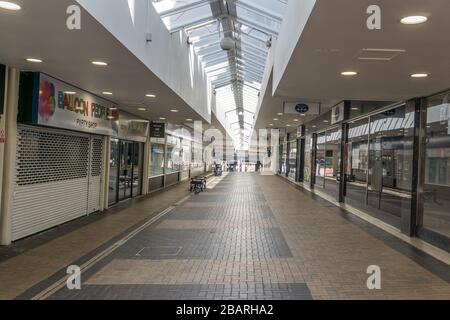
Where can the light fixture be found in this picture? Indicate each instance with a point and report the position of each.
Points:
(241, 113)
(34, 60)
(288, 125)
(7, 5)
(174, 110)
(295, 120)
(99, 63)
(326, 121)
(355, 109)
(70, 92)
(107, 93)
(275, 119)
(271, 124)
(279, 114)
(162, 118)
(419, 75)
(414, 19)
(189, 120)
(349, 73)
(149, 95)
(142, 109)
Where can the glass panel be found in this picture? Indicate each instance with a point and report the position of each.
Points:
(173, 155)
(333, 161)
(308, 158)
(113, 171)
(137, 168)
(156, 159)
(320, 160)
(390, 163)
(283, 159)
(436, 215)
(356, 163)
(292, 159)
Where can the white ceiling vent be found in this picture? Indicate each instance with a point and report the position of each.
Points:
(379, 54)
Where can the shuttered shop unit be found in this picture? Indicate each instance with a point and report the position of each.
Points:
(58, 178)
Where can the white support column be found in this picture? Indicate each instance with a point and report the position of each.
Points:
(9, 156)
(105, 178)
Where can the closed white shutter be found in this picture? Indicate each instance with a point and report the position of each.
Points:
(95, 176)
(52, 178)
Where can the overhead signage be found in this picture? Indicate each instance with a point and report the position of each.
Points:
(61, 105)
(157, 130)
(302, 108)
(337, 113)
(132, 128)
(2, 87)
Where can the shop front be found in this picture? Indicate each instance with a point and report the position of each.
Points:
(126, 161)
(391, 161)
(172, 156)
(60, 154)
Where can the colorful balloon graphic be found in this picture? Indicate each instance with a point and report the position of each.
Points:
(47, 100)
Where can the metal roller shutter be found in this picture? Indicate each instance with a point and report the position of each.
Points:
(52, 182)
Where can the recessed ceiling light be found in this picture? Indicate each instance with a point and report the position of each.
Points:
(241, 113)
(174, 110)
(142, 109)
(7, 5)
(419, 75)
(314, 126)
(288, 125)
(355, 109)
(414, 20)
(107, 93)
(99, 63)
(275, 119)
(279, 113)
(149, 95)
(295, 120)
(70, 92)
(326, 121)
(271, 124)
(162, 118)
(190, 120)
(34, 60)
(349, 73)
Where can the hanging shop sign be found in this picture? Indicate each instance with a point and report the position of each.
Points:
(60, 105)
(302, 108)
(337, 113)
(157, 130)
(132, 128)
(2, 87)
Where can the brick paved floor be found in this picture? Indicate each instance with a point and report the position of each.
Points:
(253, 237)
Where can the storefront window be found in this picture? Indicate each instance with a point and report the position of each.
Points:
(390, 162)
(357, 162)
(308, 155)
(436, 212)
(292, 159)
(283, 159)
(173, 154)
(333, 160)
(113, 171)
(320, 160)
(156, 159)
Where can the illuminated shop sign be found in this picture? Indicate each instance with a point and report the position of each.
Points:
(60, 105)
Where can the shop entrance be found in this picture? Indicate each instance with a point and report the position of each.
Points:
(125, 179)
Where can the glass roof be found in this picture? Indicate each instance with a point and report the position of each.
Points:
(235, 75)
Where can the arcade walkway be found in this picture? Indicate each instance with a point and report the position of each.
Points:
(247, 237)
